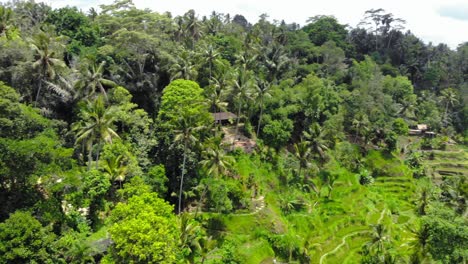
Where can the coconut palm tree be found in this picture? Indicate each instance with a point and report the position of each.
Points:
(47, 51)
(183, 67)
(379, 240)
(190, 231)
(360, 125)
(316, 139)
(242, 88)
(93, 79)
(192, 27)
(65, 87)
(186, 133)
(116, 168)
(263, 91)
(210, 55)
(449, 97)
(215, 161)
(208, 245)
(302, 154)
(419, 244)
(5, 20)
(221, 85)
(216, 99)
(95, 126)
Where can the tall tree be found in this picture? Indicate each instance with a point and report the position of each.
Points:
(183, 66)
(449, 98)
(95, 126)
(93, 79)
(48, 50)
(6, 16)
(186, 134)
(302, 154)
(316, 139)
(215, 161)
(242, 89)
(263, 91)
(210, 55)
(143, 230)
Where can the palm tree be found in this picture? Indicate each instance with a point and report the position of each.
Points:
(210, 55)
(327, 179)
(182, 67)
(379, 240)
(192, 27)
(208, 244)
(426, 194)
(216, 99)
(360, 125)
(65, 87)
(5, 20)
(275, 60)
(216, 162)
(116, 168)
(214, 24)
(449, 98)
(221, 83)
(186, 134)
(316, 139)
(47, 58)
(189, 234)
(302, 153)
(263, 92)
(407, 107)
(95, 126)
(242, 90)
(93, 79)
(419, 244)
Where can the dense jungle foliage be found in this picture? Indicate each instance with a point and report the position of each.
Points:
(112, 151)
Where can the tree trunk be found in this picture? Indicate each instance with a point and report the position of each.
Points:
(389, 40)
(237, 123)
(97, 154)
(182, 177)
(103, 91)
(445, 115)
(90, 155)
(38, 91)
(260, 118)
(209, 81)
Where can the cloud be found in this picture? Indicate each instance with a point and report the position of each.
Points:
(457, 11)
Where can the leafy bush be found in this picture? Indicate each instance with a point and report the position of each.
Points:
(277, 132)
(365, 178)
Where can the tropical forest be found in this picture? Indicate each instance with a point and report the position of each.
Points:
(134, 136)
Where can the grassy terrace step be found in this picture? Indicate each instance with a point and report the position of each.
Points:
(448, 164)
(392, 179)
(393, 184)
(451, 172)
(452, 155)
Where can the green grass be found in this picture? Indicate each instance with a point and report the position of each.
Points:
(321, 224)
(256, 251)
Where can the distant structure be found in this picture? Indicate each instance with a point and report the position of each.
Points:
(422, 127)
(421, 130)
(223, 117)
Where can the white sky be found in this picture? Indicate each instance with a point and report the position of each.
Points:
(434, 21)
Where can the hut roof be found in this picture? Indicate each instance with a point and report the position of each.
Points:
(223, 116)
(422, 126)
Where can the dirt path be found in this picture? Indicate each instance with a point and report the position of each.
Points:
(343, 242)
(343, 239)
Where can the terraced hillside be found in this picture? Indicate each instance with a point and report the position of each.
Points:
(318, 229)
(451, 162)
